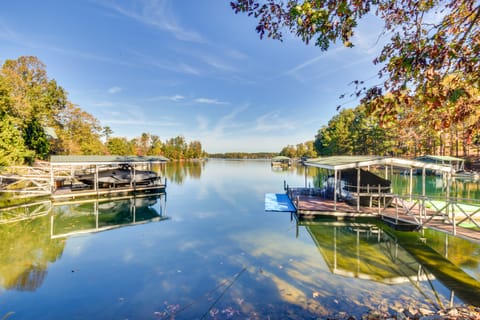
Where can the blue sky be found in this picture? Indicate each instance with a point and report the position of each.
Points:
(191, 68)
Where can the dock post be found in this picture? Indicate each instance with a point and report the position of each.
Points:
(379, 198)
(335, 191)
(453, 219)
(96, 179)
(358, 189)
(410, 185)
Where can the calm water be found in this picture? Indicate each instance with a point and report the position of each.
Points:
(208, 250)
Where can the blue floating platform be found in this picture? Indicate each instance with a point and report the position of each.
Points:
(278, 202)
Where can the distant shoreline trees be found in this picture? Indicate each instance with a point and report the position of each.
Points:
(37, 120)
(243, 155)
(355, 132)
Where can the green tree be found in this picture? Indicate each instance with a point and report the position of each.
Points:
(120, 147)
(36, 139)
(12, 147)
(156, 146)
(289, 151)
(310, 149)
(107, 132)
(79, 132)
(194, 150)
(32, 94)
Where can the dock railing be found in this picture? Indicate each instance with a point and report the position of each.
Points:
(425, 210)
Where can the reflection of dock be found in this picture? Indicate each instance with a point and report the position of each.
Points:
(366, 251)
(65, 194)
(25, 211)
(91, 216)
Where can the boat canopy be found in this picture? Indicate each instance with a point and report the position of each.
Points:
(337, 163)
(105, 160)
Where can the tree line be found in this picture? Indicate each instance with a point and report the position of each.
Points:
(354, 131)
(37, 120)
(243, 155)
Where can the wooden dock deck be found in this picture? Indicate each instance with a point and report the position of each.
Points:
(310, 206)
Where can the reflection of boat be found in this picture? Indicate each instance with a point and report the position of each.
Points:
(95, 216)
(119, 176)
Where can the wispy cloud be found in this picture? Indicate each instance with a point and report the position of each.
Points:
(141, 122)
(155, 13)
(7, 33)
(103, 104)
(312, 61)
(166, 64)
(218, 63)
(272, 121)
(185, 100)
(174, 98)
(202, 123)
(114, 90)
(225, 125)
(33, 41)
(186, 68)
(210, 101)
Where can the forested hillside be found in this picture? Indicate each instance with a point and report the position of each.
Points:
(37, 120)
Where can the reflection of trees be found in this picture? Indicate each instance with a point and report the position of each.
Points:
(177, 171)
(25, 252)
(466, 189)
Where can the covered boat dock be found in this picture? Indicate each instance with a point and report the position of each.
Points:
(61, 177)
(409, 211)
(65, 171)
(281, 161)
(339, 164)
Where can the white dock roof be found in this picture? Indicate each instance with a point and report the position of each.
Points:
(348, 162)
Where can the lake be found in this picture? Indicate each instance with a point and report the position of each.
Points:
(208, 250)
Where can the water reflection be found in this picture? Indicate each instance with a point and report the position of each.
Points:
(26, 250)
(100, 215)
(374, 252)
(177, 171)
(32, 236)
(365, 251)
